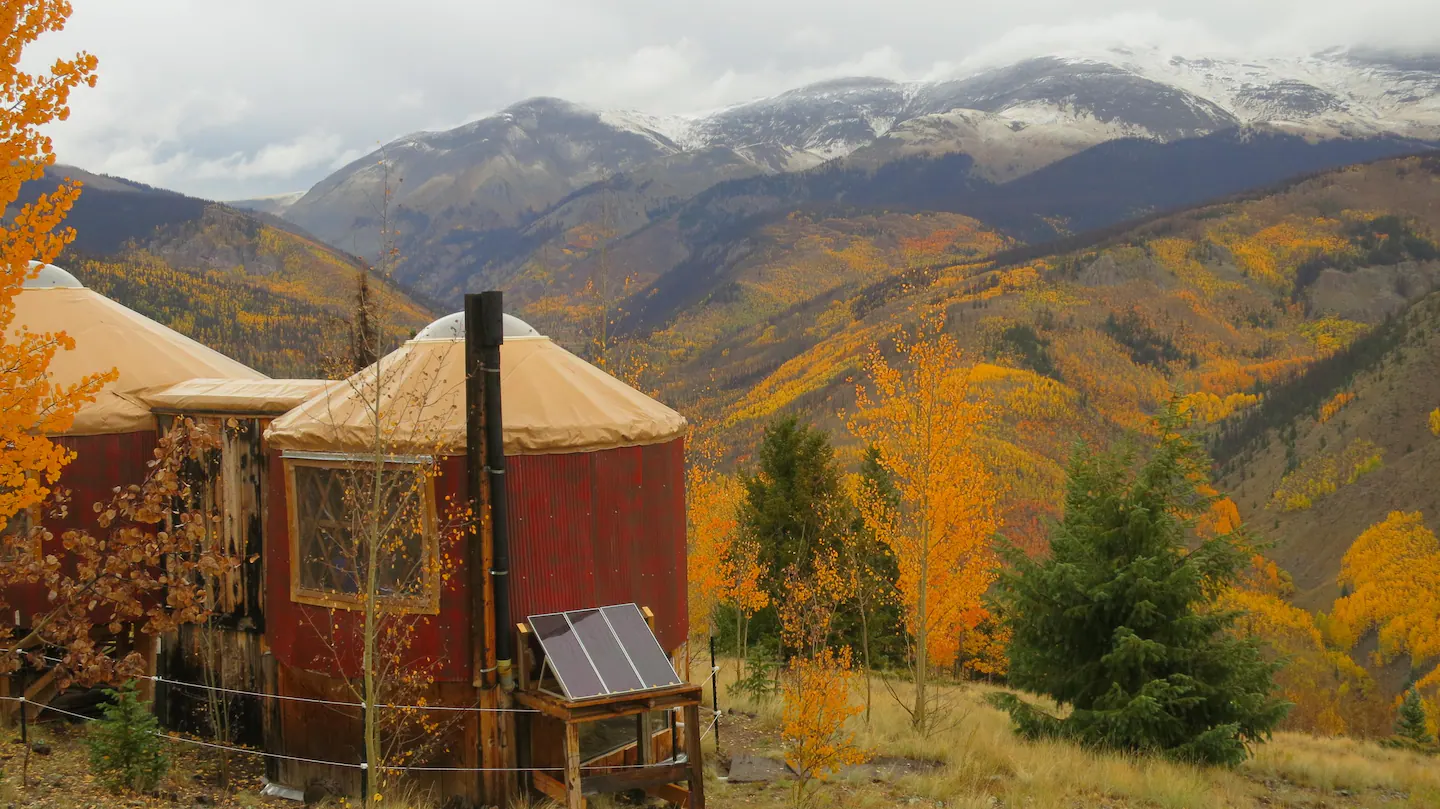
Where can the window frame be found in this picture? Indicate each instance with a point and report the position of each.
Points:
(425, 603)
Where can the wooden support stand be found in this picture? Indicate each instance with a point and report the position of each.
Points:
(660, 779)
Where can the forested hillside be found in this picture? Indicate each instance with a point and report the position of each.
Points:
(1218, 304)
(1294, 463)
(246, 284)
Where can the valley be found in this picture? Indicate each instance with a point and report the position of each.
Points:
(1052, 431)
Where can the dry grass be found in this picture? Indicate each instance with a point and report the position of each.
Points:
(985, 766)
(981, 765)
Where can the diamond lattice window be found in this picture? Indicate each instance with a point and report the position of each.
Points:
(341, 517)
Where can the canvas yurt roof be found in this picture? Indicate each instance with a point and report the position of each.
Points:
(552, 402)
(237, 397)
(108, 335)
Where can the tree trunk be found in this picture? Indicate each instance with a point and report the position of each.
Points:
(865, 653)
(922, 635)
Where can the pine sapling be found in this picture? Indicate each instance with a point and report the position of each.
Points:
(125, 752)
(1410, 719)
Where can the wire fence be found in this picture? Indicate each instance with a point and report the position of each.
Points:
(714, 671)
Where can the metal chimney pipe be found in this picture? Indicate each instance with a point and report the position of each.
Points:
(492, 334)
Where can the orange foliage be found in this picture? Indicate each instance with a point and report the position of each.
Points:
(924, 421)
(1209, 408)
(32, 406)
(1324, 685)
(812, 601)
(1336, 403)
(1394, 570)
(1321, 475)
(712, 528)
(1272, 254)
(817, 707)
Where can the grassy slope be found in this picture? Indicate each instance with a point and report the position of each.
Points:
(978, 764)
(983, 765)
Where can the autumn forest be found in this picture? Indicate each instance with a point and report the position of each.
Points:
(986, 503)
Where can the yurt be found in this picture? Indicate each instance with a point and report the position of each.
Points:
(114, 436)
(594, 491)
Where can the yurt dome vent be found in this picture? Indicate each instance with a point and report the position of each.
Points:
(51, 277)
(452, 327)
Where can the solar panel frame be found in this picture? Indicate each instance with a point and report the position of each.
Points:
(559, 655)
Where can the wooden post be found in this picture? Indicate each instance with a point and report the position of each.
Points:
(270, 717)
(148, 648)
(694, 758)
(642, 737)
(574, 799)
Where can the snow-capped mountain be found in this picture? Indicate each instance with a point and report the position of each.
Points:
(502, 170)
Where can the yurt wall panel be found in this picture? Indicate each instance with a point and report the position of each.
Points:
(101, 463)
(597, 528)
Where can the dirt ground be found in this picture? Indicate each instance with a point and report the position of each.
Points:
(58, 775)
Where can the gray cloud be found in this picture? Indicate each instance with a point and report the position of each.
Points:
(266, 96)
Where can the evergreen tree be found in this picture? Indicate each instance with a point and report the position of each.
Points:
(1118, 622)
(1410, 719)
(791, 500)
(125, 753)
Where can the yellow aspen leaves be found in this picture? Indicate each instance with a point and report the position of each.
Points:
(925, 421)
(817, 708)
(32, 406)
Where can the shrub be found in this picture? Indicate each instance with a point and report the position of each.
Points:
(125, 753)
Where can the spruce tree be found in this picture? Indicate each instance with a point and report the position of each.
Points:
(125, 752)
(1410, 719)
(790, 499)
(1118, 623)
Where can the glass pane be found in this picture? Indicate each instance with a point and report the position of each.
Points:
(567, 656)
(605, 652)
(609, 735)
(337, 523)
(640, 643)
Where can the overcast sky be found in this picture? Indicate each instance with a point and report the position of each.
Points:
(231, 98)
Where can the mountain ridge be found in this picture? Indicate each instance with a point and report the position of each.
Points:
(472, 204)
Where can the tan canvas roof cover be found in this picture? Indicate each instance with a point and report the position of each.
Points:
(235, 396)
(553, 402)
(108, 335)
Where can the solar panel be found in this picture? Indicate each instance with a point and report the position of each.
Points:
(605, 651)
(641, 646)
(567, 657)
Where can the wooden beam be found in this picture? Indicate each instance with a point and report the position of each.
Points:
(522, 654)
(550, 787)
(670, 793)
(695, 760)
(634, 778)
(574, 795)
(611, 706)
(39, 694)
(643, 743)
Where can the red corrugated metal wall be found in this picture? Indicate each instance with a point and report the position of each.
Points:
(600, 528)
(101, 463)
(586, 529)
